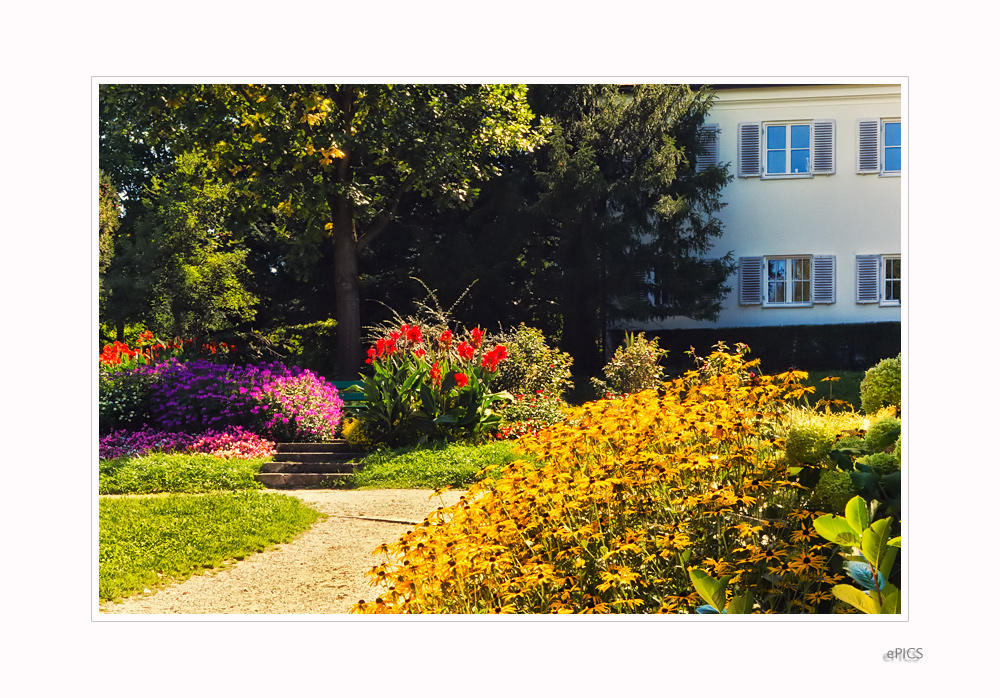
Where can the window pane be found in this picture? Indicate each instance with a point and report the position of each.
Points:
(893, 159)
(801, 269)
(776, 270)
(775, 137)
(800, 136)
(801, 292)
(776, 162)
(893, 134)
(776, 292)
(800, 161)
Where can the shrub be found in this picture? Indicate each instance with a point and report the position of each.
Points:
(833, 491)
(882, 463)
(619, 501)
(527, 414)
(810, 438)
(123, 400)
(633, 368)
(882, 386)
(357, 436)
(882, 434)
(532, 367)
(430, 388)
(301, 407)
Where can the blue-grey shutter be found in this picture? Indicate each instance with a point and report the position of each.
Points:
(824, 147)
(867, 278)
(824, 279)
(749, 280)
(748, 150)
(868, 137)
(708, 136)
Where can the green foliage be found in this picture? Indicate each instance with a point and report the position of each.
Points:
(834, 489)
(532, 366)
(882, 434)
(882, 386)
(634, 367)
(146, 543)
(882, 463)
(436, 465)
(810, 439)
(310, 345)
(870, 552)
(123, 400)
(177, 472)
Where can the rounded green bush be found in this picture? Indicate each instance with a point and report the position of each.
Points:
(850, 442)
(882, 434)
(833, 491)
(882, 386)
(810, 440)
(883, 463)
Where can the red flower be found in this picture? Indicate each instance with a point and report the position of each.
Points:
(477, 337)
(465, 351)
(461, 380)
(413, 334)
(372, 355)
(494, 357)
(446, 338)
(436, 374)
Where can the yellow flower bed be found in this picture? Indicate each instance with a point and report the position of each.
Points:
(625, 496)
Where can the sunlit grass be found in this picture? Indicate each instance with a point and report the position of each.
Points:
(147, 542)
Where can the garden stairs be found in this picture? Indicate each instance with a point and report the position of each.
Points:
(309, 465)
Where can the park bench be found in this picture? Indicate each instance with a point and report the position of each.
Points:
(351, 398)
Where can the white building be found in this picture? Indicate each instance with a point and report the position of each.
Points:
(814, 212)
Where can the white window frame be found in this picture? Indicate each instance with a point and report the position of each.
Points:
(884, 278)
(753, 281)
(871, 146)
(752, 148)
(870, 279)
(789, 282)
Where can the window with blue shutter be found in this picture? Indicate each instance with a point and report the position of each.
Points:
(867, 278)
(880, 146)
(749, 280)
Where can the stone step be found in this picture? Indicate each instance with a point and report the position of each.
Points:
(293, 481)
(337, 446)
(317, 457)
(285, 467)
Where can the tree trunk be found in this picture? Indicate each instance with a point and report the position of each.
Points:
(346, 283)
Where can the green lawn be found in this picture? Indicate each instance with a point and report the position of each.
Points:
(177, 472)
(147, 542)
(451, 465)
(847, 387)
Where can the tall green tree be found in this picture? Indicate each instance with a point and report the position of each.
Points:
(334, 162)
(608, 223)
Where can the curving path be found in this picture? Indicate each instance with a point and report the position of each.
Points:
(322, 571)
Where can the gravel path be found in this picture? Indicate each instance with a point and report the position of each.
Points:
(321, 571)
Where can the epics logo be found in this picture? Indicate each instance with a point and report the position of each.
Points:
(908, 654)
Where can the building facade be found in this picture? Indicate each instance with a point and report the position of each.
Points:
(813, 215)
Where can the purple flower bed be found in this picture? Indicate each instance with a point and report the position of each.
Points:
(280, 402)
(233, 442)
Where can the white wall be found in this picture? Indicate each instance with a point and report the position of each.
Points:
(844, 214)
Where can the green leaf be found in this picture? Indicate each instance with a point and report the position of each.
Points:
(857, 514)
(888, 557)
(711, 589)
(892, 600)
(873, 541)
(836, 529)
(896, 542)
(741, 604)
(856, 598)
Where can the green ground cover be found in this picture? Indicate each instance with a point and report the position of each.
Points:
(177, 472)
(148, 542)
(439, 465)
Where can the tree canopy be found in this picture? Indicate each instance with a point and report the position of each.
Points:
(573, 207)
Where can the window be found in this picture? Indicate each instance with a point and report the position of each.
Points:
(786, 281)
(775, 150)
(880, 147)
(880, 279)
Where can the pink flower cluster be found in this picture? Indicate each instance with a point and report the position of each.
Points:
(304, 407)
(233, 442)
